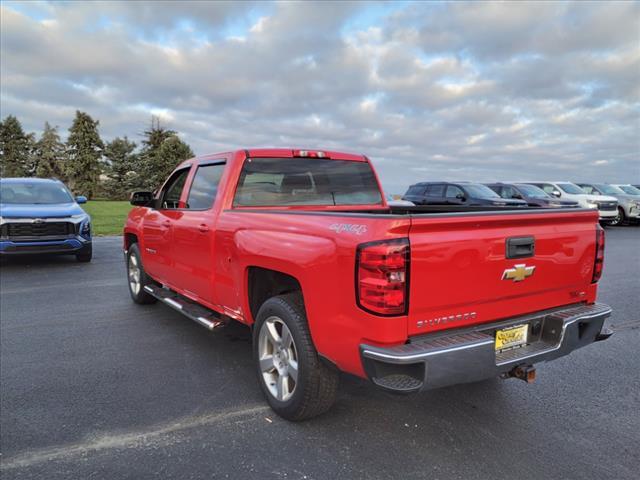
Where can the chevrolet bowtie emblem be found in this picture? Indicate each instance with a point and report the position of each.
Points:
(518, 273)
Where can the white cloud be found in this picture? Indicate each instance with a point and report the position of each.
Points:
(480, 91)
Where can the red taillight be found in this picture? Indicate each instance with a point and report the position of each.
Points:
(598, 264)
(382, 276)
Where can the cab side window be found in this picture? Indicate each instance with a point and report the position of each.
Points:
(205, 186)
(500, 190)
(547, 188)
(415, 190)
(453, 191)
(508, 192)
(435, 191)
(170, 199)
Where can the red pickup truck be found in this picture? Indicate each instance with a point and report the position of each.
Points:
(302, 246)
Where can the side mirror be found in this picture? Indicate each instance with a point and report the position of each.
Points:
(556, 193)
(460, 196)
(517, 196)
(141, 199)
(81, 199)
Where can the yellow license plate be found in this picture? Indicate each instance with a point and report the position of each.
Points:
(511, 337)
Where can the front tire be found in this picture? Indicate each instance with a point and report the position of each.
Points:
(620, 219)
(85, 254)
(137, 278)
(295, 382)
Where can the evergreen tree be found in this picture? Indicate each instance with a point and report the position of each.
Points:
(15, 149)
(171, 153)
(162, 151)
(155, 135)
(84, 149)
(120, 164)
(50, 154)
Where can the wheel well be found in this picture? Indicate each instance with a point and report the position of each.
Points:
(264, 284)
(130, 239)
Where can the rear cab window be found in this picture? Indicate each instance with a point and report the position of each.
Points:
(306, 181)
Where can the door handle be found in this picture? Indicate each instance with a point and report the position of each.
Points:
(203, 228)
(520, 247)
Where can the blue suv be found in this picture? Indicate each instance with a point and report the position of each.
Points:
(40, 215)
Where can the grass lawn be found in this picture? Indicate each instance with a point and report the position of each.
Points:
(107, 216)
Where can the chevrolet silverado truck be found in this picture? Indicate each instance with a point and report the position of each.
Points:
(302, 246)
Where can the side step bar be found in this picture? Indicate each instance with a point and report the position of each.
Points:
(190, 309)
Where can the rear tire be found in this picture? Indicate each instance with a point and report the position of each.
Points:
(137, 278)
(295, 382)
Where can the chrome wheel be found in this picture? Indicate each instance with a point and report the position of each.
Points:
(618, 219)
(278, 358)
(134, 274)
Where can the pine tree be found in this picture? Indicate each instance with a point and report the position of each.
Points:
(156, 134)
(120, 164)
(157, 160)
(171, 153)
(15, 149)
(84, 149)
(50, 154)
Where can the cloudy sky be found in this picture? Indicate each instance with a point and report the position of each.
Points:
(478, 91)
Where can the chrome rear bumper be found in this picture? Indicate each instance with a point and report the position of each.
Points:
(462, 356)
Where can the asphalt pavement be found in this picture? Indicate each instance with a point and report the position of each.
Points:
(94, 386)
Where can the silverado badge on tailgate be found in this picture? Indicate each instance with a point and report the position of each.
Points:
(518, 273)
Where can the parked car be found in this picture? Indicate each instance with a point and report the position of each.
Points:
(534, 196)
(607, 206)
(392, 202)
(457, 193)
(301, 246)
(41, 216)
(628, 205)
(628, 189)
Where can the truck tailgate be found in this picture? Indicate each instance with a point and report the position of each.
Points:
(460, 274)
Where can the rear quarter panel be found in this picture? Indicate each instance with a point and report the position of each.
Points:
(319, 251)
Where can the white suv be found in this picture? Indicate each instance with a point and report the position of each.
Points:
(607, 206)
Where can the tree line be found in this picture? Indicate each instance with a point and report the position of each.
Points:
(85, 163)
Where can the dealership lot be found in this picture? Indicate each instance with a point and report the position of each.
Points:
(94, 386)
